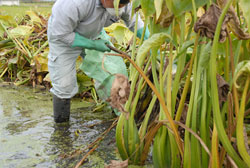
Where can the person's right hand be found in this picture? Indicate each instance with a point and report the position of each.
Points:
(100, 45)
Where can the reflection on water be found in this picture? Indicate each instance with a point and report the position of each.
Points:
(30, 138)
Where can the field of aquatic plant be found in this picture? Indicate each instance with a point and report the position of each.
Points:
(190, 97)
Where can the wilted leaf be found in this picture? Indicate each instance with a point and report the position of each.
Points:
(155, 40)
(223, 88)
(242, 72)
(165, 18)
(117, 164)
(234, 22)
(34, 17)
(207, 23)
(21, 31)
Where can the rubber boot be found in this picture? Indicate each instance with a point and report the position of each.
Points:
(61, 108)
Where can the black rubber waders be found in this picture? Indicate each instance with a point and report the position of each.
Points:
(61, 108)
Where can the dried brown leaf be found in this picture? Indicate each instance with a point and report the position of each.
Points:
(207, 23)
(166, 17)
(117, 164)
(223, 88)
(234, 22)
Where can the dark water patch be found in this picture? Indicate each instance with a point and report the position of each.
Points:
(30, 138)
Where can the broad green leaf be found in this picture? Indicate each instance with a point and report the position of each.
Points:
(154, 41)
(34, 17)
(180, 6)
(136, 3)
(21, 31)
(158, 8)
(245, 6)
(148, 7)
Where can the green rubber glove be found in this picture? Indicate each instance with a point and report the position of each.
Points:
(99, 45)
(146, 35)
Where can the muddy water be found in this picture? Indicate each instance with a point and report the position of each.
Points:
(29, 137)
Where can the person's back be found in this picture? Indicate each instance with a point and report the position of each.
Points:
(72, 28)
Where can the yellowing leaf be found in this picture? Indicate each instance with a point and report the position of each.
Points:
(41, 63)
(21, 31)
(8, 20)
(34, 17)
(158, 8)
(120, 32)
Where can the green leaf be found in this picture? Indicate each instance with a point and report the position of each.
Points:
(178, 7)
(148, 7)
(154, 41)
(136, 3)
(245, 6)
(205, 55)
(21, 31)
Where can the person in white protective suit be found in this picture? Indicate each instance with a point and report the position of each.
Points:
(74, 26)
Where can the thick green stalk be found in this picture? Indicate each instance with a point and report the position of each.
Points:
(214, 94)
(194, 11)
(215, 146)
(173, 146)
(144, 30)
(240, 125)
(120, 139)
(187, 147)
(180, 65)
(133, 135)
(195, 146)
(132, 69)
(144, 124)
(187, 82)
(204, 131)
